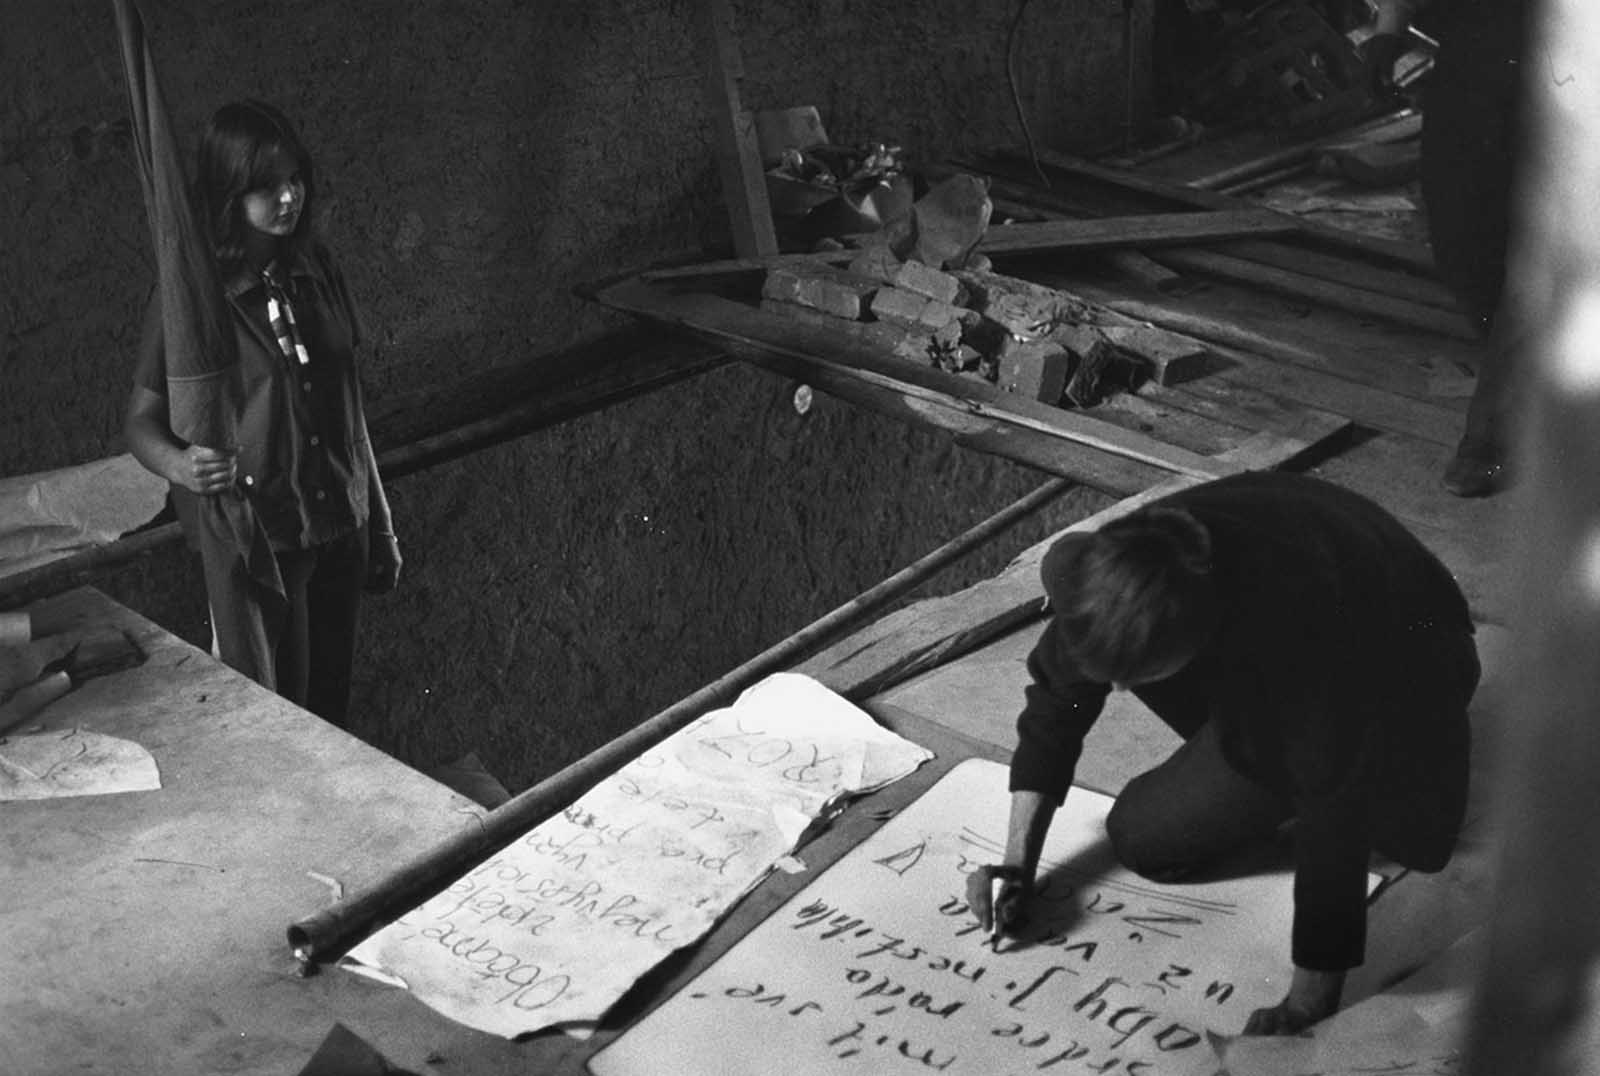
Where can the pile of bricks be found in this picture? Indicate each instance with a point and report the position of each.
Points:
(1017, 335)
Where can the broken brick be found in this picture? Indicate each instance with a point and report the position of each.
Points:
(1081, 340)
(870, 331)
(916, 312)
(1025, 309)
(926, 280)
(1086, 386)
(941, 348)
(1037, 369)
(916, 347)
(831, 291)
(875, 262)
(1169, 357)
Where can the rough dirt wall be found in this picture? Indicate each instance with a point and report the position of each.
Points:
(477, 158)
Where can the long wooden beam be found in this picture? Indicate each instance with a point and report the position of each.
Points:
(1278, 266)
(1098, 470)
(1396, 127)
(744, 182)
(1153, 189)
(1057, 236)
(735, 324)
(1356, 300)
(1288, 369)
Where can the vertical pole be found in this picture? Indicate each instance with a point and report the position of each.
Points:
(1535, 1008)
(1130, 74)
(744, 183)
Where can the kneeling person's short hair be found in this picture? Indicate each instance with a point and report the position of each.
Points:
(1134, 596)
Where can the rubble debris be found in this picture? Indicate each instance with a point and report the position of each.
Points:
(1021, 307)
(1019, 336)
(1037, 369)
(877, 333)
(916, 312)
(822, 288)
(819, 189)
(925, 280)
(1282, 66)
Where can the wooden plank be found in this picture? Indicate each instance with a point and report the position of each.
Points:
(1279, 370)
(735, 267)
(1087, 466)
(1147, 230)
(1423, 291)
(1411, 255)
(1371, 407)
(1036, 237)
(1208, 434)
(1136, 266)
(1232, 401)
(1125, 261)
(1391, 283)
(736, 324)
(1338, 296)
(931, 632)
(1331, 380)
(744, 182)
(1397, 127)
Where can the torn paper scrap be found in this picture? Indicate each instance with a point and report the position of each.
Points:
(50, 513)
(71, 762)
(641, 865)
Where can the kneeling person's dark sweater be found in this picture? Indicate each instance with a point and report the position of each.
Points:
(1338, 677)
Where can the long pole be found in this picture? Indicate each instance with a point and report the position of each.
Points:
(547, 408)
(331, 931)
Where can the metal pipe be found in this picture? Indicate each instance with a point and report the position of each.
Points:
(331, 931)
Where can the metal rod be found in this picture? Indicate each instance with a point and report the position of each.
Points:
(548, 408)
(330, 932)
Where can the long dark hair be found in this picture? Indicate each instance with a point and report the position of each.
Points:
(235, 154)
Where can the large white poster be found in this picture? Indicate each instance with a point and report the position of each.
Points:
(553, 929)
(878, 965)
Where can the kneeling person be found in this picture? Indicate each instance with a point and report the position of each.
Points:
(1318, 662)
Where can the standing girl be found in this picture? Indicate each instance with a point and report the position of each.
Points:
(304, 462)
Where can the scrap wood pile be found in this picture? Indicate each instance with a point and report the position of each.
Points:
(922, 292)
(1294, 80)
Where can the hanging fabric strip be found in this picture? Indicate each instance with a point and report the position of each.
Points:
(202, 352)
(280, 315)
(202, 355)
